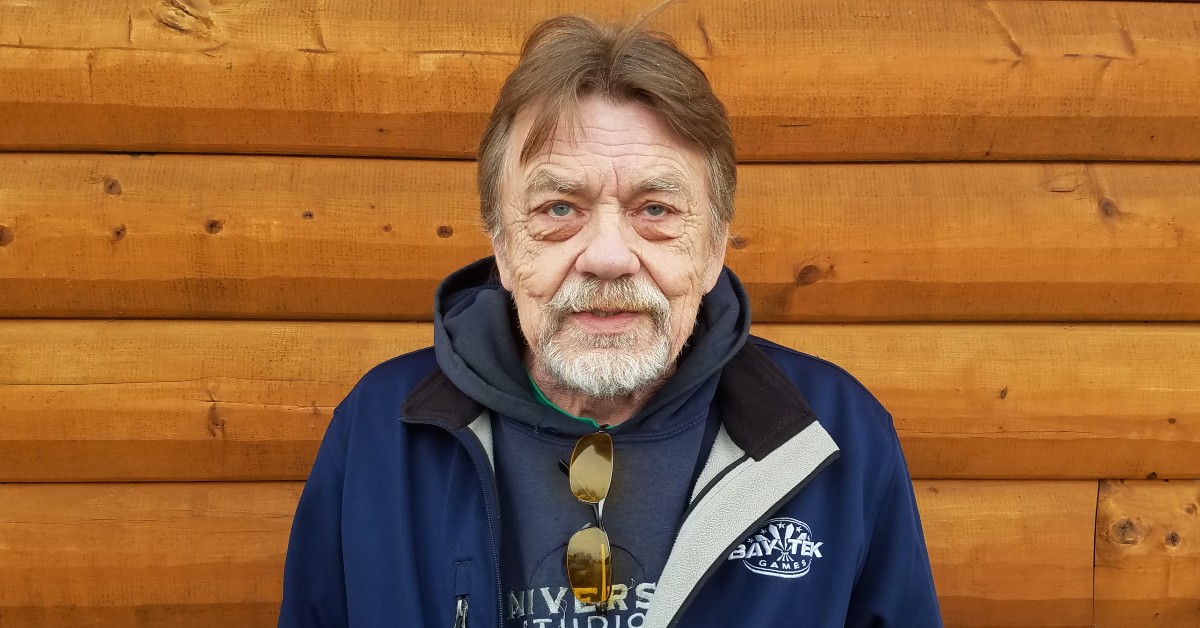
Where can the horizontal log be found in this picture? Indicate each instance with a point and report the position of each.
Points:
(166, 401)
(1038, 401)
(186, 555)
(1009, 554)
(1147, 554)
(269, 237)
(178, 400)
(212, 553)
(824, 80)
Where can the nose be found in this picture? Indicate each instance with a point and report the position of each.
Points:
(607, 253)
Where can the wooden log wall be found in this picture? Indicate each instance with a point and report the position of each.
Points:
(988, 211)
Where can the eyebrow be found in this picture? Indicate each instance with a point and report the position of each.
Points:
(670, 183)
(545, 181)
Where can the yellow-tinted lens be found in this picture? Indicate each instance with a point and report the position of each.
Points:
(589, 566)
(591, 467)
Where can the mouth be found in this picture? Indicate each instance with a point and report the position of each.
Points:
(602, 321)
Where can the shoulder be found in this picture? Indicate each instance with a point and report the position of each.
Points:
(817, 376)
(842, 404)
(378, 395)
(397, 375)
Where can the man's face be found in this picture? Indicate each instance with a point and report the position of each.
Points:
(607, 247)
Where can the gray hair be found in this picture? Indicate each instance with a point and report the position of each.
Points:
(570, 57)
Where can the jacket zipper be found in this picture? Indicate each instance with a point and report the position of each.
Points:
(471, 443)
(488, 495)
(460, 612)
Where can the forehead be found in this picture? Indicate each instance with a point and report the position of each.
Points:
(627, 139)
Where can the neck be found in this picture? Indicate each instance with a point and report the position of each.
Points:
(605, 411)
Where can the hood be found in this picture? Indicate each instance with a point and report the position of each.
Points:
(479, 346)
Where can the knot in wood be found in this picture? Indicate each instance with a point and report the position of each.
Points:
(809, 275)
(214, 226)
(308, 215)
(1173, 538)
(445, 231)
(1127, 532)
(216, 424)
(118, 233)
(6, 235)
(1108, 208)
(737, 242)
(185, 16)
(112, 186)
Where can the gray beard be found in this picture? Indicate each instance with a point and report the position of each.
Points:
(606, 366)
(603, 367)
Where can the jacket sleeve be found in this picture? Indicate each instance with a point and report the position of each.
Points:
(314, 589)
(895, 588)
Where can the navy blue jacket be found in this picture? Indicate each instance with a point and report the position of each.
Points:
(398, 523)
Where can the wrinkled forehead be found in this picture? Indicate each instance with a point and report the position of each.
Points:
(599, 127)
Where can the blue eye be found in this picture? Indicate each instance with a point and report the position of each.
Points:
(560, 210)
(655, 210)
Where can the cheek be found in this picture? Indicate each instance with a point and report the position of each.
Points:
(683, 281)
(684, 309)
(529, 316)
(539, 268)
(536, 280)
(684, 293)
(681, 275)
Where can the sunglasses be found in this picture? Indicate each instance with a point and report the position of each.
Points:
(589, 554)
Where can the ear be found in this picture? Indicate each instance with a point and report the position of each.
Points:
(716, 262)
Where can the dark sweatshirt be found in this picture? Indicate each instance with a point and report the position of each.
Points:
(479, 347)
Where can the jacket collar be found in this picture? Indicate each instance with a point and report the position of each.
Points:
(759, 406)
(437, 400)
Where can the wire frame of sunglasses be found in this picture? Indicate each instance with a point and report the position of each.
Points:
(589, 553)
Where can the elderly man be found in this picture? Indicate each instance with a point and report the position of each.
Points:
(594, 440)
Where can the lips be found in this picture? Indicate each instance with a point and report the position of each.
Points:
(606, 321)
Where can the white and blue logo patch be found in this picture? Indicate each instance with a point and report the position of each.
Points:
(783, 547)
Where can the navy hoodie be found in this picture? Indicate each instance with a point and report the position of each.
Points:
(801, 513)
(656, 450)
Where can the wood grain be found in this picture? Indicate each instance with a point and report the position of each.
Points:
(267, 237)
(187, 555)
(210, 400)
(204, 554)
(96, 401)
(1036, 401)
(821, 80)
(1010, 553)
(1148, 554)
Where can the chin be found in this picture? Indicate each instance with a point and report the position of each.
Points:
(602, 372)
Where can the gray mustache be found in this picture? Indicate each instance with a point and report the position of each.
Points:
(625, 294)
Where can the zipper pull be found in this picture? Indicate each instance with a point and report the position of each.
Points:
(460, 612)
